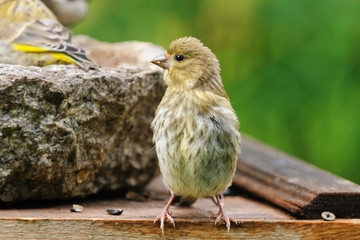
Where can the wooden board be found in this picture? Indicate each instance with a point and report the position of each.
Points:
(302, 189)
(298, 187)
(256, 220)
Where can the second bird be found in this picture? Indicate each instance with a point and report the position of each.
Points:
(195, 127)
(30, 34)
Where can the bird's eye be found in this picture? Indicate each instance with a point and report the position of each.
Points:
(179, 57)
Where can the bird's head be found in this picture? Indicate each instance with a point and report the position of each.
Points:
(188, 64)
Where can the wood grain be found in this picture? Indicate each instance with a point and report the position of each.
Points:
(302, 189)
(146, 229)
(256, 220)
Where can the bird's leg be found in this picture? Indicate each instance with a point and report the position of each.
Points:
(165, 214)
(221, 214)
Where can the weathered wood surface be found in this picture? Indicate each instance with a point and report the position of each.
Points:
(267, 173)
(256, 220)
(302, 189)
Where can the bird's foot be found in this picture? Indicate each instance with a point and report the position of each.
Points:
(221, 215)
(164, 214)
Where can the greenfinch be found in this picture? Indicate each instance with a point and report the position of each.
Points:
(30, 34)
(195, 127)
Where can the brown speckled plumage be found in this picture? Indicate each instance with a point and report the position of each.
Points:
(195, 128)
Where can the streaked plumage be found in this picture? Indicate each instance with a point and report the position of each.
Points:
(30, 34)
(195, 127)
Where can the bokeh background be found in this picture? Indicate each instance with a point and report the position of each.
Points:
(291, 68)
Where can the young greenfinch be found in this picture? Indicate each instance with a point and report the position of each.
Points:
(195, 127)
(30, 34)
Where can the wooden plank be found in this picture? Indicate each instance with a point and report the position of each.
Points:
(294, 183)
(146, 229)
(256, 220)
(302, 189)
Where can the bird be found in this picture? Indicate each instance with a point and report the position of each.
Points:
(195, 129)
(30, 34)
(68, 12)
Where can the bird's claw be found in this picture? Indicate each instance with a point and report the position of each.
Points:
(221, 215)
(165, 214)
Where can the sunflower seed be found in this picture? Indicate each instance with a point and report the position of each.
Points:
(115, 211)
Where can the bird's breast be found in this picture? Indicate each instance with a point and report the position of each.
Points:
(197, 148)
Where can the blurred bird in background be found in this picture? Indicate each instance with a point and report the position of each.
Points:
(30, 34)
(195, 127)
(68, 12)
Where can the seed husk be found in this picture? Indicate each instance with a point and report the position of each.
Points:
(328, 216)
(115, 211)
(76, 208)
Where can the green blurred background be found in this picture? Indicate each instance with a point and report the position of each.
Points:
(291, 68)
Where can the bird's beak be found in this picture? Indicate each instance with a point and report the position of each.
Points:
(162, 61)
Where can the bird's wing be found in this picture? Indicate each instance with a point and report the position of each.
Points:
(47, 35)
(15, 14)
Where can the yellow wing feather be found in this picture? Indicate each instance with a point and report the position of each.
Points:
(28, 48)
(63, 57)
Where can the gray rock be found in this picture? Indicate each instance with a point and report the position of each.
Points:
(65, 132)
